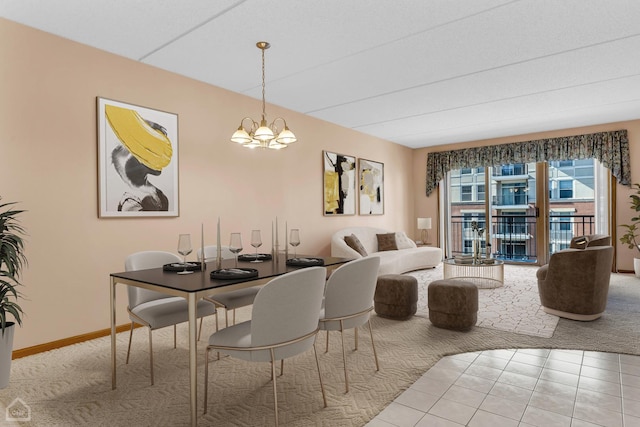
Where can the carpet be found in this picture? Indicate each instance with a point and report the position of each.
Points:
(514, 307)
(71, 386)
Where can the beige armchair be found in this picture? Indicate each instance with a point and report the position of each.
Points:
(575, 283)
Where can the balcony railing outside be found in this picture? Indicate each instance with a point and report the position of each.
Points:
(510, 199)
(510, 170)
(513, 237)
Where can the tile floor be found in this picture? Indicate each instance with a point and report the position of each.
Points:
(532, 387)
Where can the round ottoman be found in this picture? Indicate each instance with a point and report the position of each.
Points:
(396, 296)
(453, 304)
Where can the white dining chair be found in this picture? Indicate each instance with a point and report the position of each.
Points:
(227, 300)
(348, 302)
(153, 309)
(284, 323)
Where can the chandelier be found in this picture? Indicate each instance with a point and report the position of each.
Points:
(261, 134)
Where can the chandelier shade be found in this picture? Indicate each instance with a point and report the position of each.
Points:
(252, 134)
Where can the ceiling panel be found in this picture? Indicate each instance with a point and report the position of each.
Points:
(416, 72)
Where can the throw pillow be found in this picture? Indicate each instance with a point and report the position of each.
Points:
(403, 242)
(354, 243)
(581, 242)
(387, 242)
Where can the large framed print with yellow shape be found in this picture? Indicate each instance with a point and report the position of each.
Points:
(371, 187)
(339, 184)
(137, 161)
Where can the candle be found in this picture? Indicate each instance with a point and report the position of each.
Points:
(203, 259)
(273, 242)
(276, 234)
(286, 239)
(218, 248)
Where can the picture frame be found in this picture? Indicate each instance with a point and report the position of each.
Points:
(137, 161)
(339, 184)
(370, 187)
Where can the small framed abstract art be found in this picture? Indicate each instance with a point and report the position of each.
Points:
(137, 161)
(371, 187)
(339, 184)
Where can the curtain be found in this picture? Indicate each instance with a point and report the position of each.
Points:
(610, 148)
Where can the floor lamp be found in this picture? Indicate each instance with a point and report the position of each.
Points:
(424, 224)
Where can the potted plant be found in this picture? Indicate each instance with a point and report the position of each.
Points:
(630, 237)
(12, 260)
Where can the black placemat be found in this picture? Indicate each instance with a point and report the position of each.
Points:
(234, 273)
(178, 266)
(305, 262)
(252, 257)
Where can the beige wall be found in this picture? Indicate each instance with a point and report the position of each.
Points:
(48, 162)
(428, 206)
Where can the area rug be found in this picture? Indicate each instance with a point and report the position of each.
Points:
(71, 386)
(514, 307)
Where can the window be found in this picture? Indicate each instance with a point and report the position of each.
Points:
(466, 222)
(465, 171)
(481, 193)
(510, 170)
(565, 189)
(513, 193)
(465, 193)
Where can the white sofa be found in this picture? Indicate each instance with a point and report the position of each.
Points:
(407, 257)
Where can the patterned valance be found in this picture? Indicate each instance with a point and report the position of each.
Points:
(610, 148)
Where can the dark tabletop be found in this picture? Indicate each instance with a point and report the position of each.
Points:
(200, 280)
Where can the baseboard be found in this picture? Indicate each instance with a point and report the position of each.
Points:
(30, 351)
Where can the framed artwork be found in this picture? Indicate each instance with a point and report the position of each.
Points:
(339, 184)
(371, 187)
(137, 161)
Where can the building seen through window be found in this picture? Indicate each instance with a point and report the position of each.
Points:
(511, 193)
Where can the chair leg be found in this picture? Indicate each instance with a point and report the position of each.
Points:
(226, 318)
(175, 337)
(344, 359)
(275, 390)
(324, 397)
(281, 367)
(129, 348)
(375, 355)
(355, 334)
(151, 354)
(200, 331)
(327, 349)
(206, 378)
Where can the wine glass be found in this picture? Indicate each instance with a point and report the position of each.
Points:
(184, 249)
(256, 242)
(235, 245)
(294, 239)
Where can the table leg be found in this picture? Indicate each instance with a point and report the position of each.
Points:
(193, 372)
(112, 292)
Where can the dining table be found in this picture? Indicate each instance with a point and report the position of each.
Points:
(199, 284)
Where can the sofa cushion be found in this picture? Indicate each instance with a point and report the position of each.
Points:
(387, 242)
(403, 242)
(354, 243)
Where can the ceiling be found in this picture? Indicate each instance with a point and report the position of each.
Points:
(415, 72)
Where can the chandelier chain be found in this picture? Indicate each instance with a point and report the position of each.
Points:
(263, 87)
